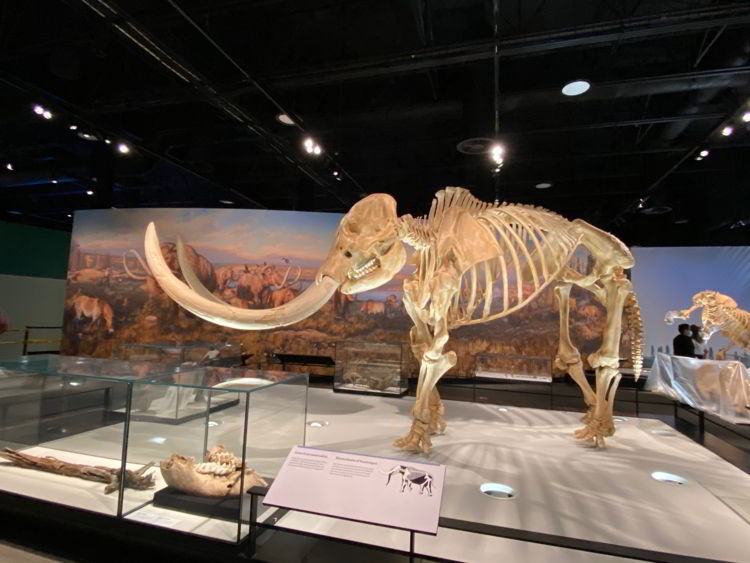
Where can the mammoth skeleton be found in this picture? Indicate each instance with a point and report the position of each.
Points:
(463, 248)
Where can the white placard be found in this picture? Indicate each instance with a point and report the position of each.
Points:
(376, 490)
(515, 376)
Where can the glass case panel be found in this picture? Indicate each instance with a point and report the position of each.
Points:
(512, 367)
(62, 438)
(370, 367)
(229, 354)
(224, 420)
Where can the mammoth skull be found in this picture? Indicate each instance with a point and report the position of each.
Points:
(367, 251)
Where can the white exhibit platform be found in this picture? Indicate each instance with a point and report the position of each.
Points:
(562, 486)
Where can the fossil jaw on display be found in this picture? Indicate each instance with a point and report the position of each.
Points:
(462, 249)
(219, 475)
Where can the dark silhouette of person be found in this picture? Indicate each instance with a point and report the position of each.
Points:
(683, 343)
(699, 346)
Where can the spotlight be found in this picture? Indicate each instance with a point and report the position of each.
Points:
(641, 202)
(123, 148)
(317, 149)
(728, 130)
(87, 136)
(9, 166)
(285, 119)
(109, 142)
(309, 145)
(226, 202)
(576, 88)
(704, 153)
(54, 181)
(496, 153)
(89, 192)
(73, 127)
(543, 185)
(746, 116)
(335, 172)
(47, 114)
(698, 158)
(70, 215)
(39, 110)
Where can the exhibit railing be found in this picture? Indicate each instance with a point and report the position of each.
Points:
(28, 341)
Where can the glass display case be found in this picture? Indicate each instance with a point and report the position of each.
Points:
(370, 367)
(71, 434)
(512, 367)
(227, 354)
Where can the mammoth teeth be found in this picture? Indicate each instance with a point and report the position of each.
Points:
(219, 475)
(215, 468)
(370, 266)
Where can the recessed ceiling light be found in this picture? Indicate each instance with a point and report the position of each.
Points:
(9, 166)
(746, 116)
(39, 110)
(576, 88)
(543, 185)
(704, 153)
(698, 158)
(123, 148)
(47, 114)
(89, 192)
(226, 202)
(285, 119)
(70, 214)
(87, 136)
(54, 181)
(728, 130)
(73, 127)
(108, 141)
(496, 153)
(335, 172)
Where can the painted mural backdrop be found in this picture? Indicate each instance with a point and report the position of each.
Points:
(259, 259)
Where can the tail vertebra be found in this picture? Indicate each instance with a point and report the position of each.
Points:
(635, 330)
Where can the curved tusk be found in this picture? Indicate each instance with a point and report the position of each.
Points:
(304, 305)
(189, 275)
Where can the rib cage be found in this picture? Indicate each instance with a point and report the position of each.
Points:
(535, 244)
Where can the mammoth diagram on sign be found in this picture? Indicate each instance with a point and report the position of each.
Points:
(475, 262)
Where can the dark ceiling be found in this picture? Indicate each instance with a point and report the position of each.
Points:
(388, 88)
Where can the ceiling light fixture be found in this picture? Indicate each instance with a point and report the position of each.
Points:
(704, 153)
(108, 141)
(496, 153)
(284, 118)
(54, 181)
(73, 127)
(87, 136)
(123, 148)
(698, 158)
(317, 150)
(9, 166)
(39, 110)
(312, 147)
(70, 215)
(746, 116)
(728, 130)
(47, 114)
(543, 185)
(576, 88)
(89, 192)
(226, 202)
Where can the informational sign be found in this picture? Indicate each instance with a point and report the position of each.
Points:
(375, 490)
(514, 376)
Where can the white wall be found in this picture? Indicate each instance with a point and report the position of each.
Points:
(31, 301)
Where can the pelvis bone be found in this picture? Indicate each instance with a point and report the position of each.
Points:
(220, 474)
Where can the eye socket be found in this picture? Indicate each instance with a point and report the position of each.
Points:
(347, 254)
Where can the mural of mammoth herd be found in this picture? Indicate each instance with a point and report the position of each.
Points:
(96, 300)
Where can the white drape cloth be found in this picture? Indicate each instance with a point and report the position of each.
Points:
(718, 387)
